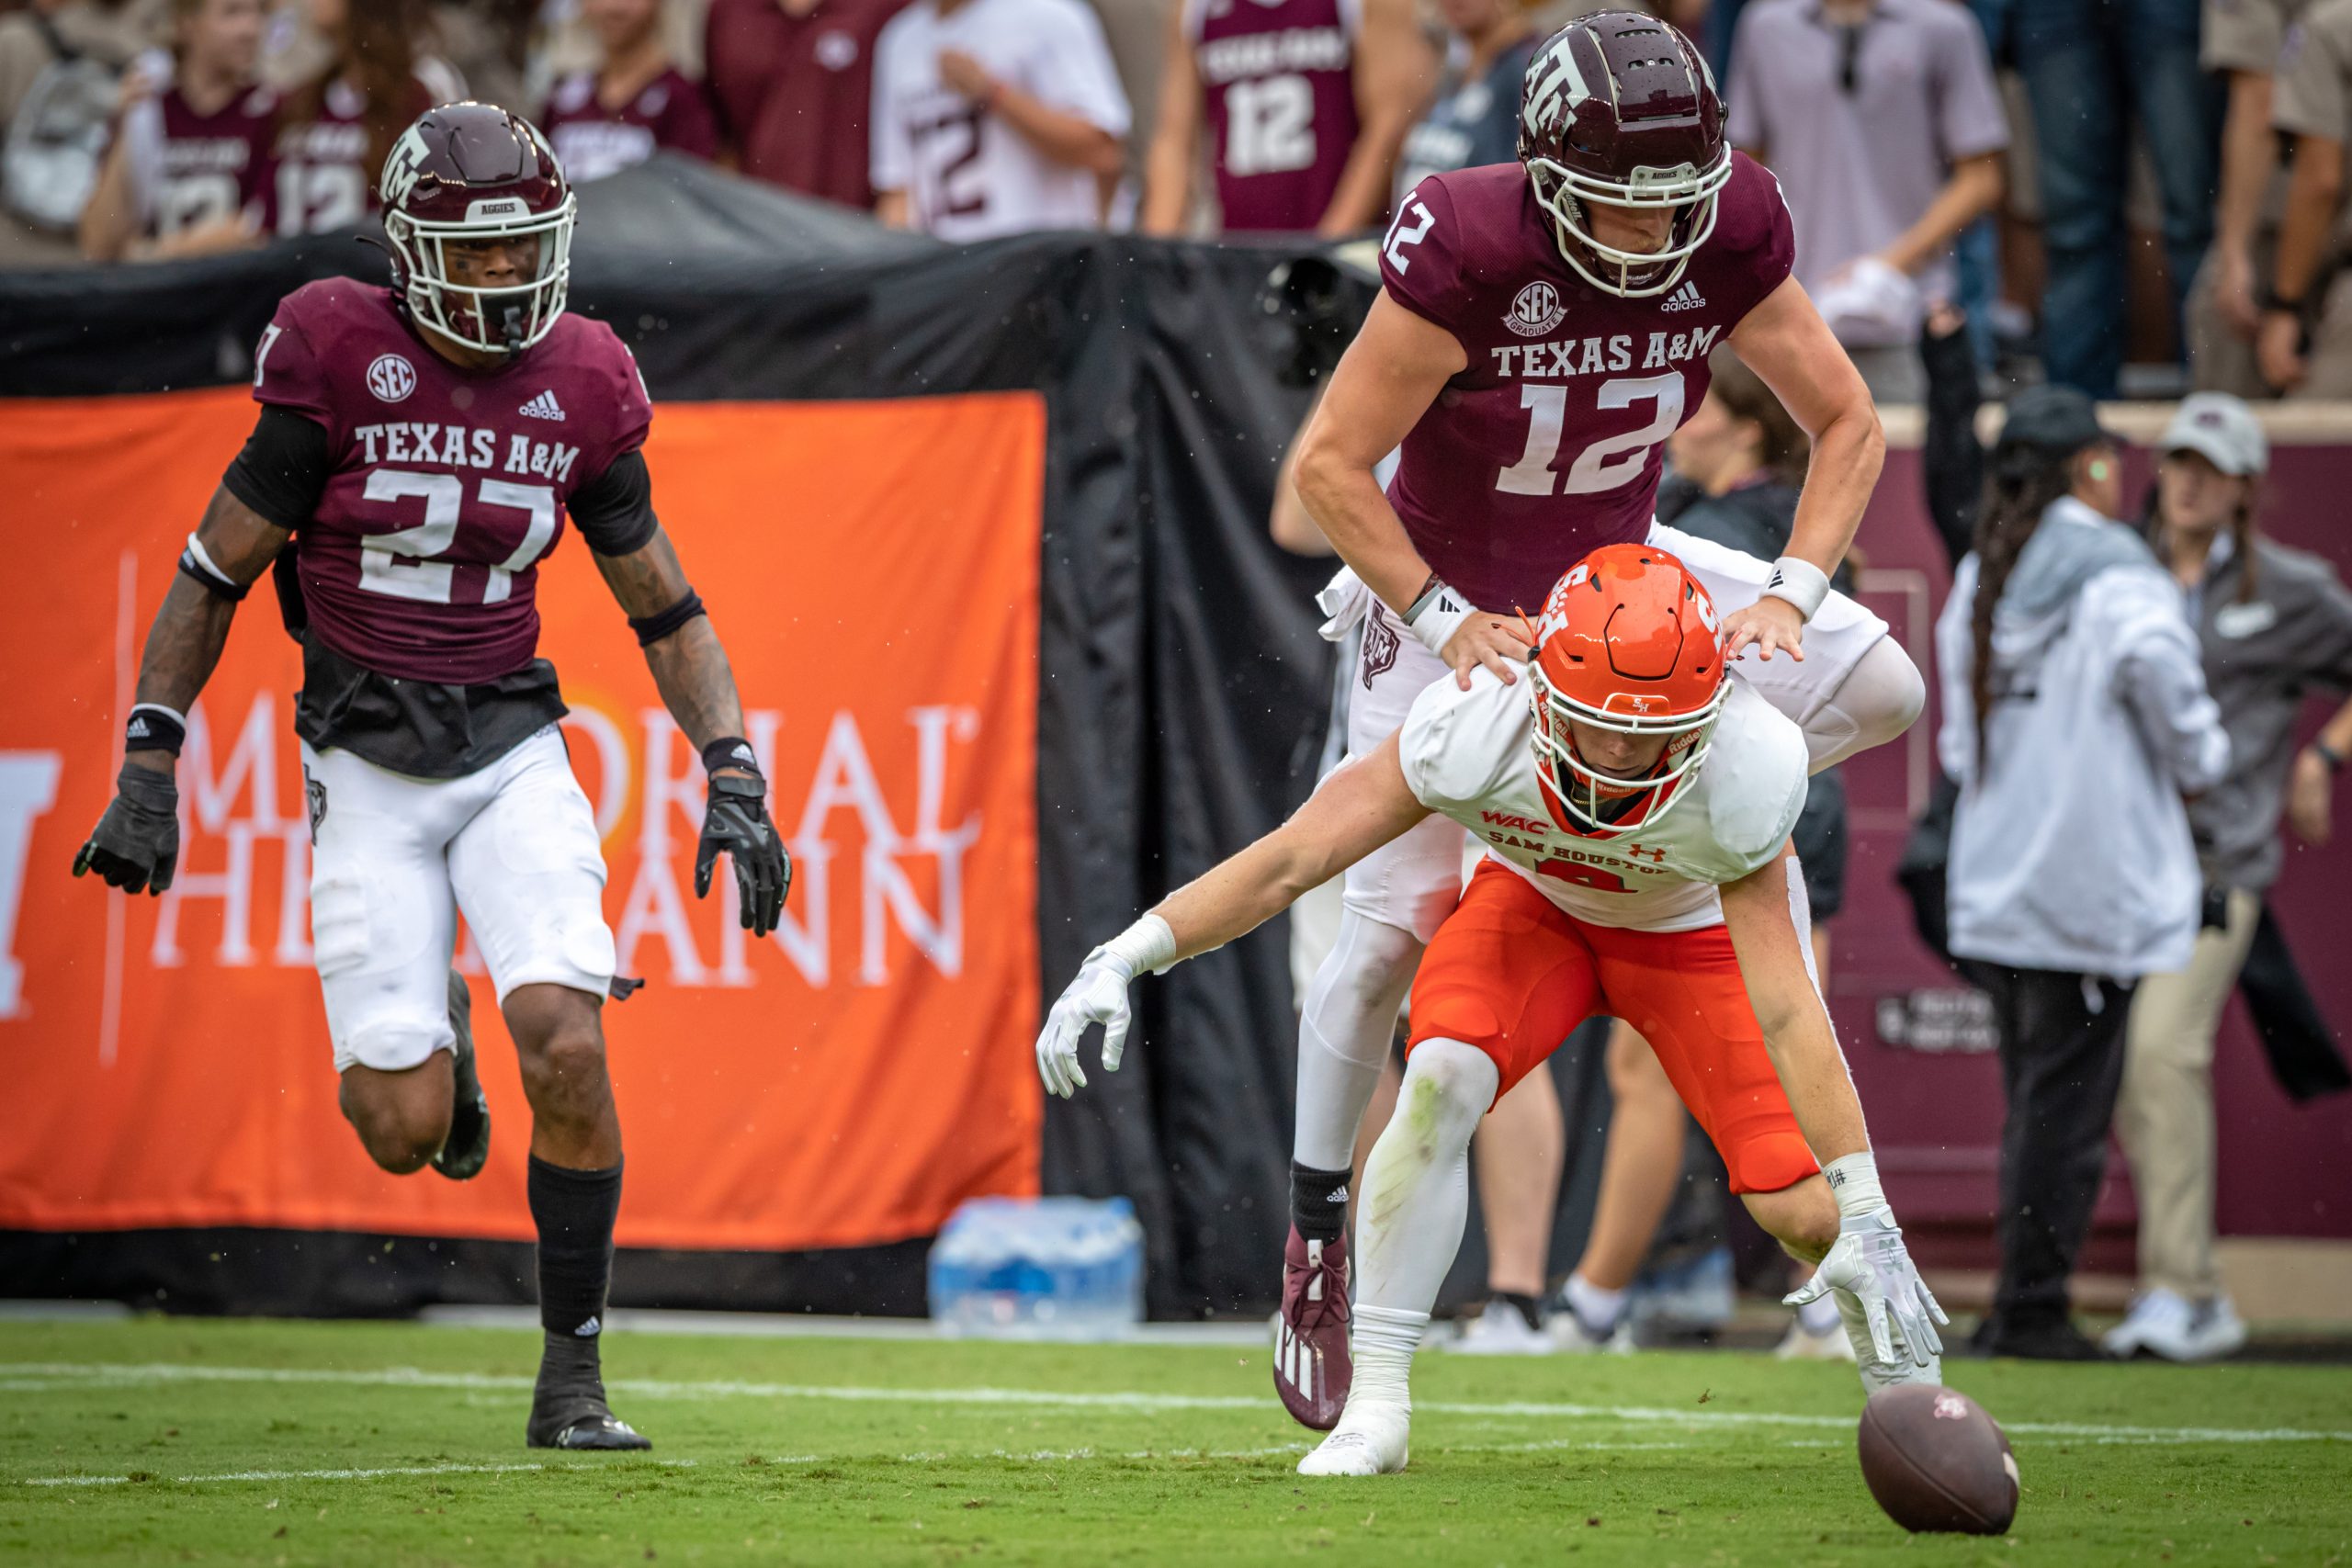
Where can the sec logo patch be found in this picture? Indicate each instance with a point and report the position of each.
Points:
(391, 377)
(1536, 310)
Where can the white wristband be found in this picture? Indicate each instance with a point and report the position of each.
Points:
(1800, 582)
(1146, 947)
(1853, 1182)
(1438, 616)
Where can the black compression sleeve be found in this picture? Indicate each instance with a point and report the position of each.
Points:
(283, 468)
(613, 511)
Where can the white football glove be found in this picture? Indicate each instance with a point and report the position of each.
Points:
(1099, 995)
(1868, 1263)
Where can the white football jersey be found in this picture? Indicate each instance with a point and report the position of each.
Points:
(1471, 756)
(967, 175)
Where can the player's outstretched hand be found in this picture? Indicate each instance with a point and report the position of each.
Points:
(1771, 624)
(1869, 1262)
(1099, 995)
(736, 820)
(1495, 641)
(137, 842)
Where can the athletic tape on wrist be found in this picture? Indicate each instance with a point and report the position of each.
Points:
(1146, 947)
(1436, 616)
(1853, 1182)
(1800, 582)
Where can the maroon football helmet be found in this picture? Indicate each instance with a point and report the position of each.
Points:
(1619, 108)
(472, 171)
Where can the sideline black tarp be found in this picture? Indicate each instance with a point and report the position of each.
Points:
(1182, 691)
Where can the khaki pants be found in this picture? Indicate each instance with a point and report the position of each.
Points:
(2163, 1117)
(2220, 360)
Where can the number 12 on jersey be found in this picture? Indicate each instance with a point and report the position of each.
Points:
(1608, 463)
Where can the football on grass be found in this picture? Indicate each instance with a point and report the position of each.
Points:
(1935, 1461)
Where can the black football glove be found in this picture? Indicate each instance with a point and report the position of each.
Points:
(737, 821)
(137, 842)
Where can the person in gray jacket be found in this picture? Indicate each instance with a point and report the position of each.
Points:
(2075, 720)
(2274, 623)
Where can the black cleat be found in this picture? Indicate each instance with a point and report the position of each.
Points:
(567, 1408)
(466, 1148)
(582, 1422)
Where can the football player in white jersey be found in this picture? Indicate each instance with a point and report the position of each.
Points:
(1636, 804)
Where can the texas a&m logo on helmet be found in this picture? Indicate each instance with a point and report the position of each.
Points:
(475, 177)
(1620, 109)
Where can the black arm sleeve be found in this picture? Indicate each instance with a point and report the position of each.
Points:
(613, 511)
(283, 468)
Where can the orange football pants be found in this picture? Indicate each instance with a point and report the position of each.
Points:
(1513, 975)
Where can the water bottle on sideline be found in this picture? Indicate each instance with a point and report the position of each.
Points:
(1039, 1268)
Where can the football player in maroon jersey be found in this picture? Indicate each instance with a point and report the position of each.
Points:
(1305, 103)
(422, 446)
(1543, 326)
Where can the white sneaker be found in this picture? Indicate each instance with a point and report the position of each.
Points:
(1570, 1333)
(2159, 1316)
(1800, 1343)
(1500, 1330)
(2178, 1330)
(2215, 1330)
(1371, 1439)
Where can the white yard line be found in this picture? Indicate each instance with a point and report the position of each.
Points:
(37, 1375)
(1035, 1456)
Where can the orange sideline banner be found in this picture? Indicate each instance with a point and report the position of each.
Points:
(872, 568)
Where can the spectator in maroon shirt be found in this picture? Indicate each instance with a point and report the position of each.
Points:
(636, 103)
(793, 82)
(188, 172)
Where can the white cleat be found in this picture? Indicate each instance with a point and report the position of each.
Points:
(1501, 1330)
(1371, 1439)
(1800, 1343)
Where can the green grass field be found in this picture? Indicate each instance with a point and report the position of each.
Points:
(166, 1441)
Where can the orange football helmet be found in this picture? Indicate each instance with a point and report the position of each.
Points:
(1627, 642)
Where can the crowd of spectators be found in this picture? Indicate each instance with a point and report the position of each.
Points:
(2121, 196)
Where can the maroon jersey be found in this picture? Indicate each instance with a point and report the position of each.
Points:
(1279, 79)
(1548, 445)
(794, 92)
(591, 140)
(324, 182)
(446, 487)
(210, 166)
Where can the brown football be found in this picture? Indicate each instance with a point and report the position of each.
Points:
(1935, 1461)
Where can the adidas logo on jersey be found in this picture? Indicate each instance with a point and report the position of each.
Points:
(1686, 298)
(590, 1329)
(544, 406)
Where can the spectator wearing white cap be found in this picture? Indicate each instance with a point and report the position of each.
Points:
(2273, 622)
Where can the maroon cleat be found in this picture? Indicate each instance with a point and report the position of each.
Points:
(1311, 1366)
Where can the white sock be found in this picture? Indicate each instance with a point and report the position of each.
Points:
(1344, 1033)
(1595, 1306)
(1383, 1340)
(1416, 1187)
